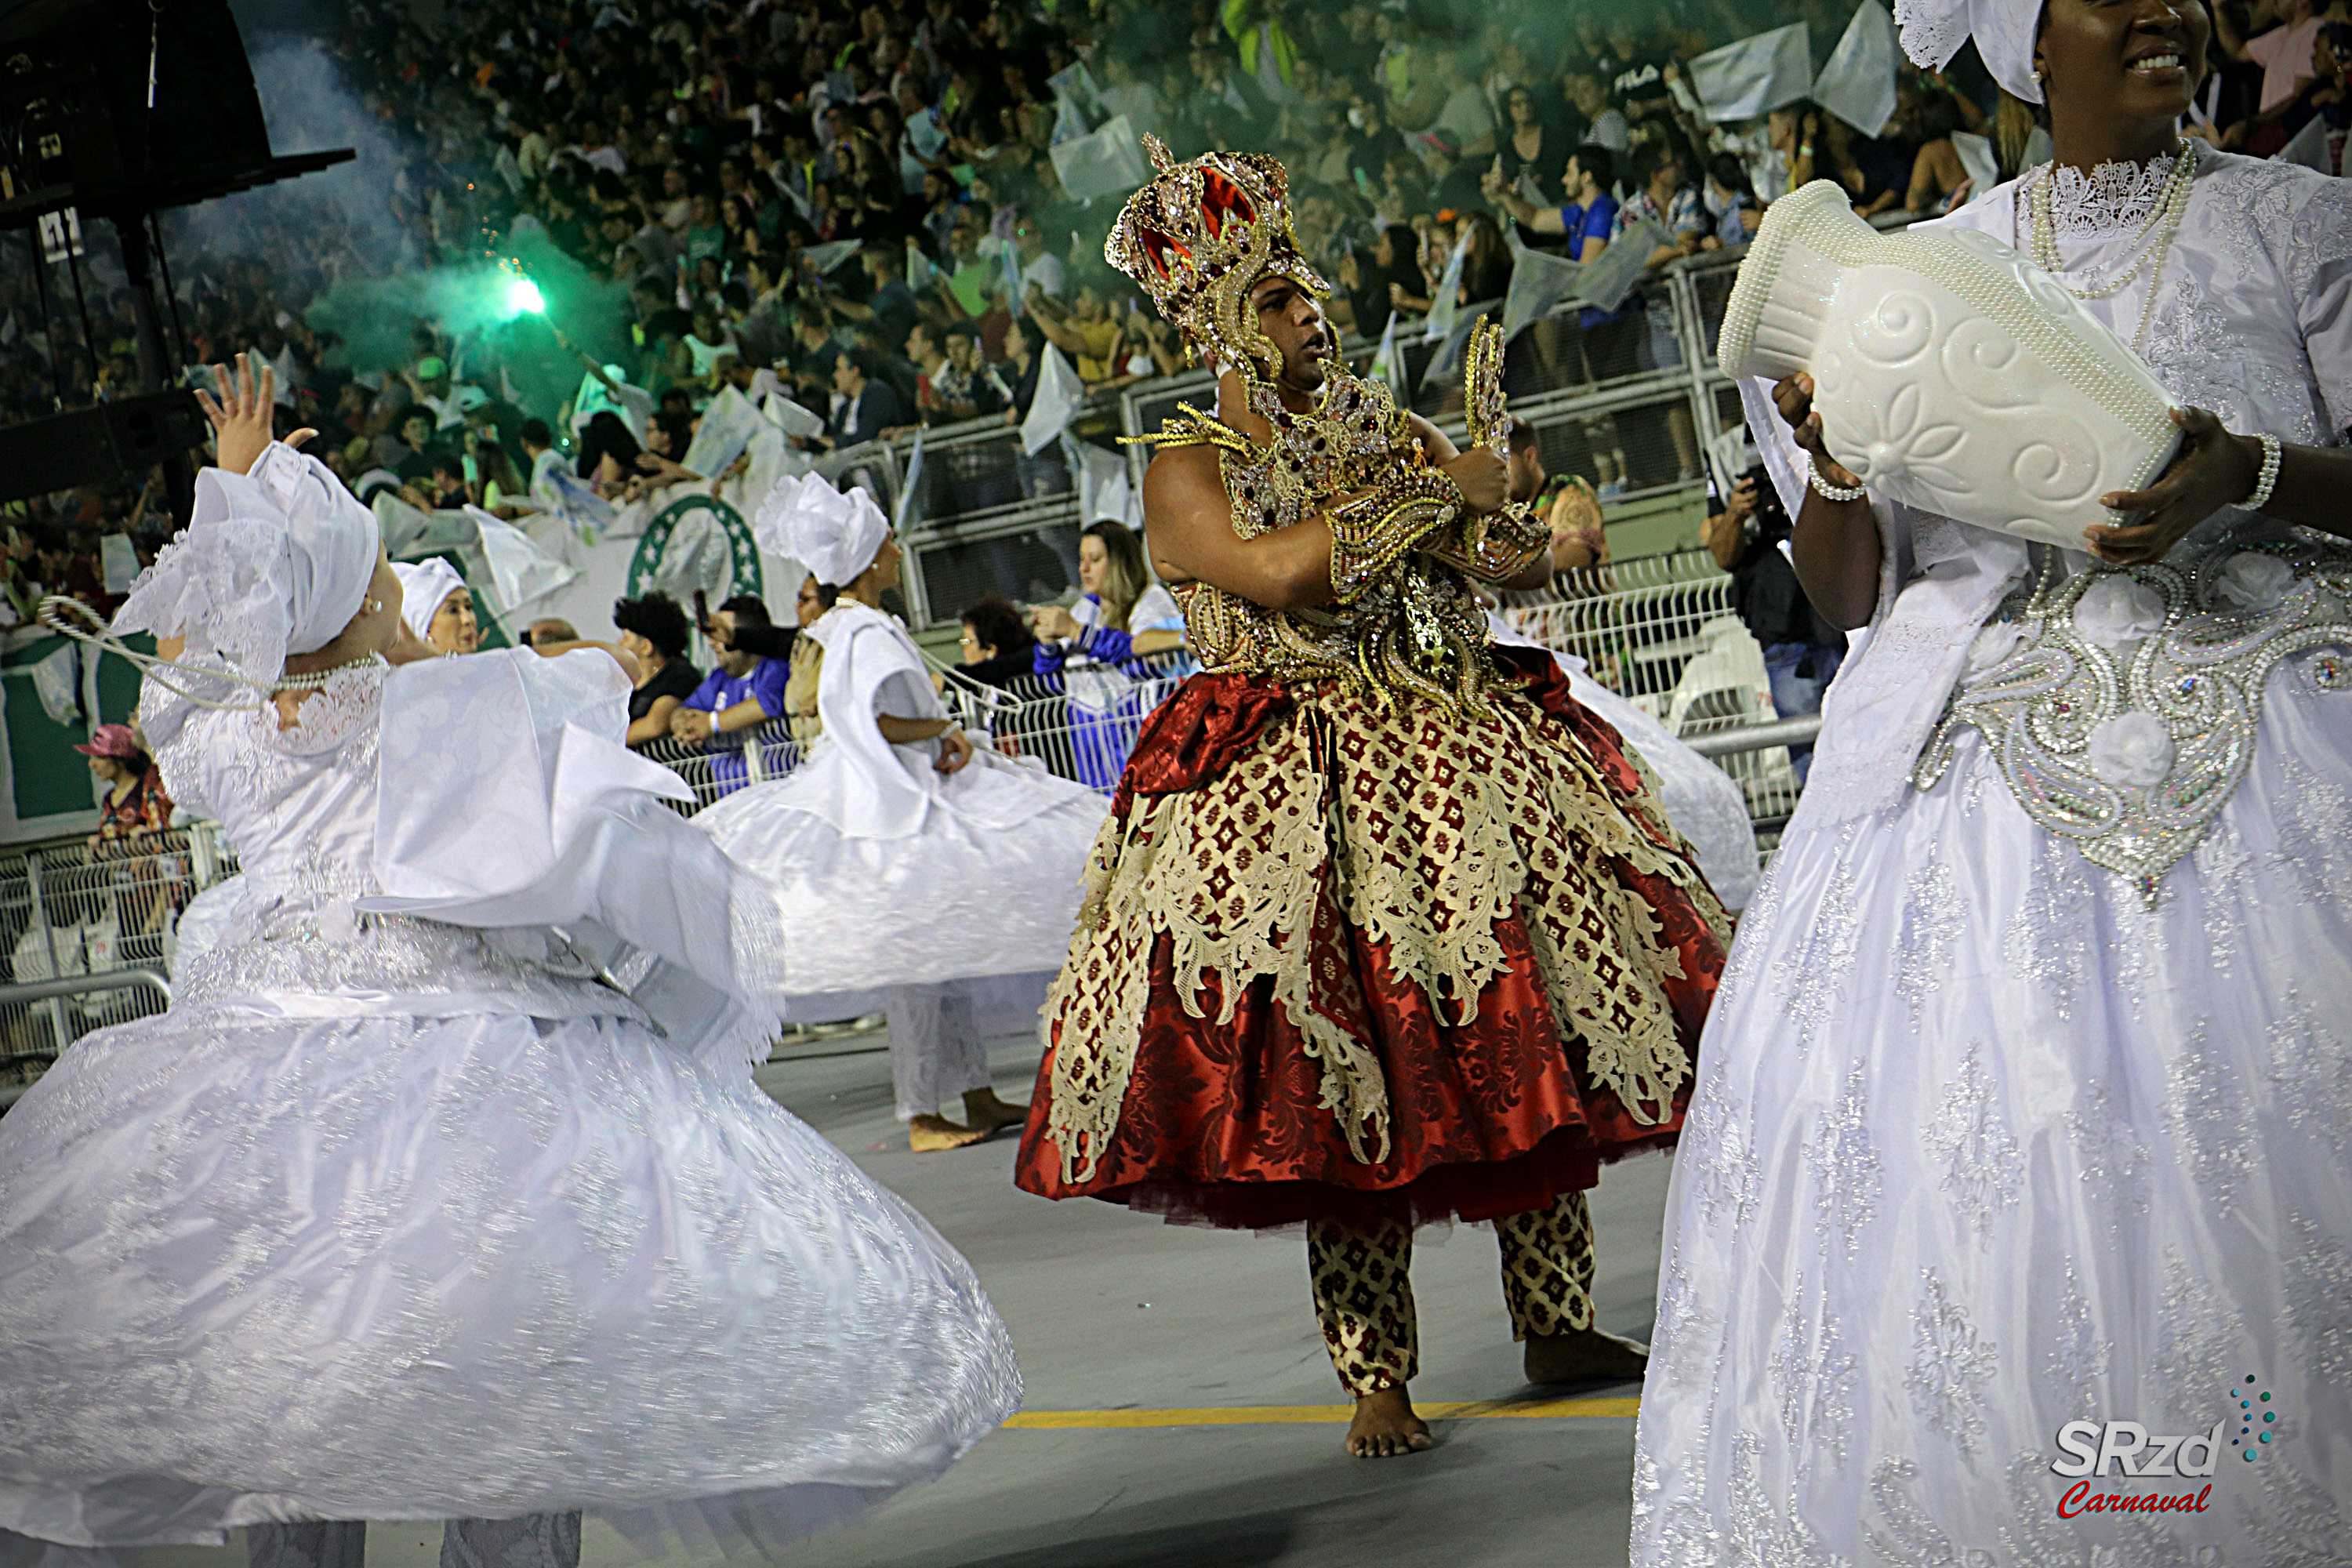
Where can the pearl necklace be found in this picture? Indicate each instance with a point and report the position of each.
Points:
(2163, 218)
(318, 678)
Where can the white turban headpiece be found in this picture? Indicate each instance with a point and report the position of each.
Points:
(424, 586)
(1934, 31)
(273, 562)
(835, 533)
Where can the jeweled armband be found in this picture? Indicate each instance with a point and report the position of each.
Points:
(1371, 534)
(1494, 546)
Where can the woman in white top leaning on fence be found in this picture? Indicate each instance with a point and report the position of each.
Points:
(1099, 648)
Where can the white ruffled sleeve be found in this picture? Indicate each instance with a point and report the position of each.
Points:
(507, 797)
(872, 790)
(174, 726)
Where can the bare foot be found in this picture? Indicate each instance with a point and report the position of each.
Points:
(1385, 1426)
(984, 1110)
(932, 1134)
(1585, 1356)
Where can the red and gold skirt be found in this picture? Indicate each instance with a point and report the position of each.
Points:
(1342, 960)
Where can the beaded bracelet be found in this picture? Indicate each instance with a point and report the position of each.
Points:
(1369, 534)
(1828, 491)
(2272, 456)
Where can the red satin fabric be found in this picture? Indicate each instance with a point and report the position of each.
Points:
(1223, 1124)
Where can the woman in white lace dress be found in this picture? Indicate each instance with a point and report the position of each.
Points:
(401, 1217)
(2027, 1096)
(437, 607)
(911, 872)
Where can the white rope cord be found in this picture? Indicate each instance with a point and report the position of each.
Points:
(59, 612)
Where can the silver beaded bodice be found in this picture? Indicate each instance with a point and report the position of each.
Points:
(2121, 705)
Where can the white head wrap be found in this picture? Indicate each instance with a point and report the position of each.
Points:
(423, 585)
(1934, 31)
(272, 562)
(835, 533)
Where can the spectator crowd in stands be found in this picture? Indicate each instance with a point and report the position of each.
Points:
(862, 210)
(703, 159)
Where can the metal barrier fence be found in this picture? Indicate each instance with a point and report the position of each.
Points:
(1078, 725)
(1660, 631)
(74, 912)
(25, 1070)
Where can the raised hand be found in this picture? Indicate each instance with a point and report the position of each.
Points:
(1482, 476)
(244, 415)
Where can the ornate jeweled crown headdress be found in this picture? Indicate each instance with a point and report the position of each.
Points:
(1200, 236)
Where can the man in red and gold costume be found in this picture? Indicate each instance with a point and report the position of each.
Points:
(1383, 927)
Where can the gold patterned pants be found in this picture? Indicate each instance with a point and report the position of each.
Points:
(1362, 1281)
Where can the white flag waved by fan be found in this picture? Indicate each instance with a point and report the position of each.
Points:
(1755, 76)
(921, 274)
(791, 417)
(1447, 360)
(827, 257)
(1604, 283)
(118, 557)
(56, 682)
(1977, 161)
(1539, 284)
(401, 524)
(1857, 84)
(1106, 490)
(1447, 302)
(1076, 86)
(1060, 395)
(575, 500)
(282, 369)
(726, 428)
(522, 574)
(1106, 162)
(910, 481)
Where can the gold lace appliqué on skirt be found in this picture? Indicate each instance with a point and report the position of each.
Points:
(1429, 831)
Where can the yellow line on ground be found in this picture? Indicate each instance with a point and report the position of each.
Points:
(1319, 1415)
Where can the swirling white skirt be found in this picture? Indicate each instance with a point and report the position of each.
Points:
(1983, 1146)
(399, 1268)
(984, 895)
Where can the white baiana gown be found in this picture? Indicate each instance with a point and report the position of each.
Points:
(888, 874)
(1990, 1138)
(392, 1218)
